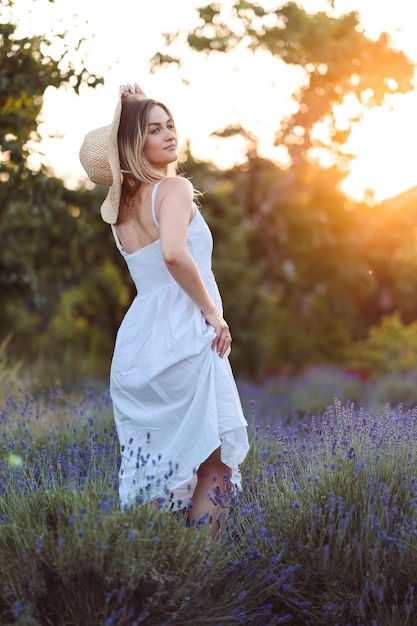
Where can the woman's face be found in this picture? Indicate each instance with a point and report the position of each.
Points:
(161, 141)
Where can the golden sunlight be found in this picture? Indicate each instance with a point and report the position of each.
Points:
(385, 145)
(253, 91)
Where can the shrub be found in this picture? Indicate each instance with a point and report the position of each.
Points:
(390, 347)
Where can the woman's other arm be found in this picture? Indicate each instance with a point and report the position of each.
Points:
(175, 211)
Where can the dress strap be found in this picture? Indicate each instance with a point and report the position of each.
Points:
(154, 190)
(116, 238)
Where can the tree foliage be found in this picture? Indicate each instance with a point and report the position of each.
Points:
(337, 59)
(319, 270)
(52, 242)
(304, 272)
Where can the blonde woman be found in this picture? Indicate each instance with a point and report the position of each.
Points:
(179, 418)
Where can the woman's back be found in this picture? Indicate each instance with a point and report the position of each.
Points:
(135, 226)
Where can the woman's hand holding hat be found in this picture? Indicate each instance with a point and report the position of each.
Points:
(128, 89)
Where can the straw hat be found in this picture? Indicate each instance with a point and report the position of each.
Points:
(99, 156)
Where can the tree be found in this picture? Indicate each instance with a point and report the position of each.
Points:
(302, 270)
(306, 240)
(26, 196)
(53, 245)
(336, 57)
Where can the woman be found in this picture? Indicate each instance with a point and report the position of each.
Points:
(179, 419)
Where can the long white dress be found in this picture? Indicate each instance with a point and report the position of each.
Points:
(175, 400)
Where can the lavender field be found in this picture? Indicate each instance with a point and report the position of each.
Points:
(324, 532)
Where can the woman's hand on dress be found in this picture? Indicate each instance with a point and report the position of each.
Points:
(223, 339)
(130, 90)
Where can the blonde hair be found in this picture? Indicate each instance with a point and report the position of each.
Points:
(133, 130)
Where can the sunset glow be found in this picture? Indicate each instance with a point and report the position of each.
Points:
(253, 90)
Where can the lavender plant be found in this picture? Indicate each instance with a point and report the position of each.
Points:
(323, 533)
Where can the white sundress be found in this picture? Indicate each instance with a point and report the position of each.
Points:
(175, 400)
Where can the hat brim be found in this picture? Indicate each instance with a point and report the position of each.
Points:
(110, 208)
(99, 155)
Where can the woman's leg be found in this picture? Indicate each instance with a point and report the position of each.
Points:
(212, 493)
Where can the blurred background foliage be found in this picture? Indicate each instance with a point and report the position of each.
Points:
(308, 276)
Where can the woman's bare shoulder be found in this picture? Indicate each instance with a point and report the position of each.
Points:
(177, 184)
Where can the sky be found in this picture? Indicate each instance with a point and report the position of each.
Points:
(211, 93)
